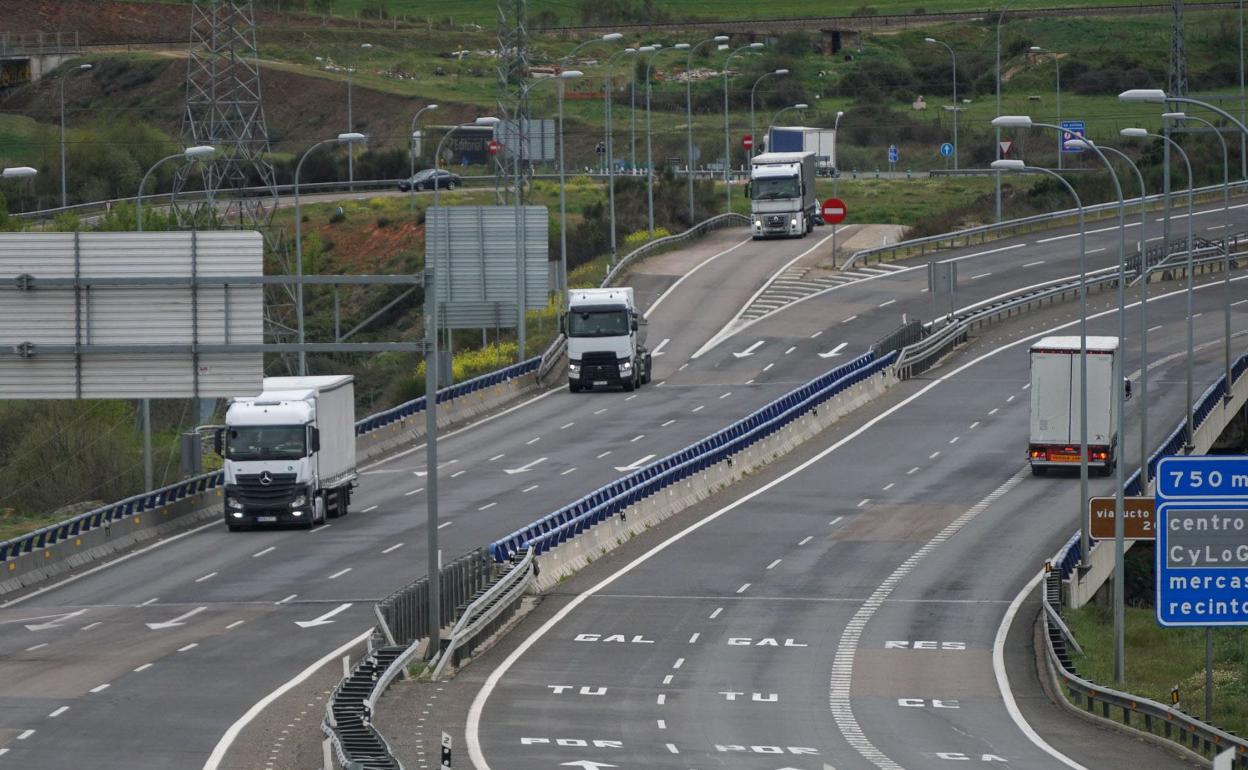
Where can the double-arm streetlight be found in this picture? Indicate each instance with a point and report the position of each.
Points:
(190, 154)
(1000, 18)
(350, 139)
(411, 199)
(775, 118)
(608, 93)
(632, 108)
(753, 88)
(649, 151)
(65, 74)
(727, 145)
(1057, 63)
(689, 113)
(954, 56)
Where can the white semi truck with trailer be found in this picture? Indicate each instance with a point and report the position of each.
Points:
(1055, 404)
(782, 195)
(289, 453)
(606, 340)
(820, 141)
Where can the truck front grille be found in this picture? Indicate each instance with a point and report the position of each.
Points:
(600, 366)
(774, 220)
(252, 492)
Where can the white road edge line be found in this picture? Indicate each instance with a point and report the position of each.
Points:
(218, 752)
(695, 269)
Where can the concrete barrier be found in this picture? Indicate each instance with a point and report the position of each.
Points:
(577, 553)
(94, 545)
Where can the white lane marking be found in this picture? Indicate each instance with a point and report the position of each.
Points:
(851, 318)
(473, 725)
(231, 735)
(415, 491)
(679, 662)
(445, 524)
(790, 350)
(749, 382)
(682, 367)
(768, 366)
(887, 303)
(976, 424)
(662, 724)
(889, 486)
(636, 438)
(981, 275)
(695, 269)
(993, 411)
(715, 614)
(1242, 301)
(457, 474)
(836, 351)
(143, 667)
(668, 679)
(1026, 385)
(835, 521)
(533, 440)
(816, 334)
(90, 626)
(270, 549)
(912, 471)
(25, 734)
(369, 509)
(287, 600)
(954, 440)
(209, 576)
(565, 426)
(100, 688)
(980, 254)
(393, 548)
(152, 600)
(234, 625)
(1003, 678)
(487, 506)
(1197, 315)
(524, 468)
(672, 748)
(600, 411)
(1151, 329)
(496, 457)
(669, 422)
(1033, 264)
(1008, 400)
(340, 573)
(321, 528)
(37, 646)
(863, 502)
(773, 564)
(748, 351)
(630, 398)
(604, 454)
(806, 540)
(58, 712)
(661, 699)
(569, 470)
(658, 349)
(934, 455)
(744, 587)
(843, 663)
(188, 647)
(726, 395)
(530, 488)
(635, 464)
(1098, 251)
(698, 408)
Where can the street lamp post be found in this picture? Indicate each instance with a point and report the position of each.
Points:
(953, 56)
(1226, 242)
(350, 139)
(1057, 63)
(189, 154)
(607, 93)
(727, 146)
(836, 161)
(632, 104)
(64, 193)
(765, 75)
(351, 126)
(411, 198)
(770, 123)
(689, 113)
(1000, 18)
(649, 152)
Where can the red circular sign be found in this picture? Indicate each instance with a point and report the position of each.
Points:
(747, 142)
(495, 146)
(833, 211)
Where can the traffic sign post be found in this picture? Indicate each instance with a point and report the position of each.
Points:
(1006, 146)
(893, 157)
(833, 211)
(946, 150)
(1072, 129)
(747, 142)
(1202, 547)
(495, 146)
(446, 751)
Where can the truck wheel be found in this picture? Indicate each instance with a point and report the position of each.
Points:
(647, 373)
(630, 384)
(234, 527)
(573, 387)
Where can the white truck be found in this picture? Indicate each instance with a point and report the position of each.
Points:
(606, 340)
(820, 141)
(782, 195)
(289, 453)
(1055, 400)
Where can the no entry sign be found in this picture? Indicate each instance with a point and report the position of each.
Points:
(833, 211)
(747, 142)
(495, 146)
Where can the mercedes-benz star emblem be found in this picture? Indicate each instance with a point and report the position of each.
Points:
(266, 478)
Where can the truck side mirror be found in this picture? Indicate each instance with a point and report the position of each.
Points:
(314, 439)
(747, 189)
(563, 322)
(634, 324)
(218, 441)
(1126, 387)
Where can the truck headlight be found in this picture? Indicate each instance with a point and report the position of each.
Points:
(758, 223)
(626, 366)
(234, 502)
(793, 222)
(574, 369)
(299, 501)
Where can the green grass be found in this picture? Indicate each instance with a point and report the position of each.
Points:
(1159, 658)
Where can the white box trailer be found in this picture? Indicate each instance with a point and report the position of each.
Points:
(1055, 403)
(820, 141)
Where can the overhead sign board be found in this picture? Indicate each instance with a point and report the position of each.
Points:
(1202, 541)
(129, 315)
(539, 139)
(1139, 518)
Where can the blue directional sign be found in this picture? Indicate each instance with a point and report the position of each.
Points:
(946, 150)
(1202, 541)
(1072, 129)
(892, 153)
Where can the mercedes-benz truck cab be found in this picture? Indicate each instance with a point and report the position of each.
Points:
(289, 453)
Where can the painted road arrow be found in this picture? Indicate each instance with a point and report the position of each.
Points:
(324, 619)
(440, 467)
(178, 621)
(586, 764)
(524, 468)
(748, 351)
(658, 349)
(635, 465)
(836, 351)
(45, 626)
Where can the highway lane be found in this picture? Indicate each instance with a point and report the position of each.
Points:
(857, 628)
(365, 556)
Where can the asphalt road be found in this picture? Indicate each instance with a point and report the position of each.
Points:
(841, 612)
(101, 687)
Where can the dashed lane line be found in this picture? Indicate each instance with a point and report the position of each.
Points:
(393, 548)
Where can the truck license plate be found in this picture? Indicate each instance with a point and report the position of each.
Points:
(266, 519)
(1064, 458)
(600, 382)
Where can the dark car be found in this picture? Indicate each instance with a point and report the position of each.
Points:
(423, 180)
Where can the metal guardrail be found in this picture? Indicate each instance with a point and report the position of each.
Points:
(701, 228)
(1010, 227)
(487, 613)
(573, 519)
(348, 723)
(403, 616)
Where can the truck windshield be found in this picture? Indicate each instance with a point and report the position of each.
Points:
(267, 442)
(774, 187)
(598, 323)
